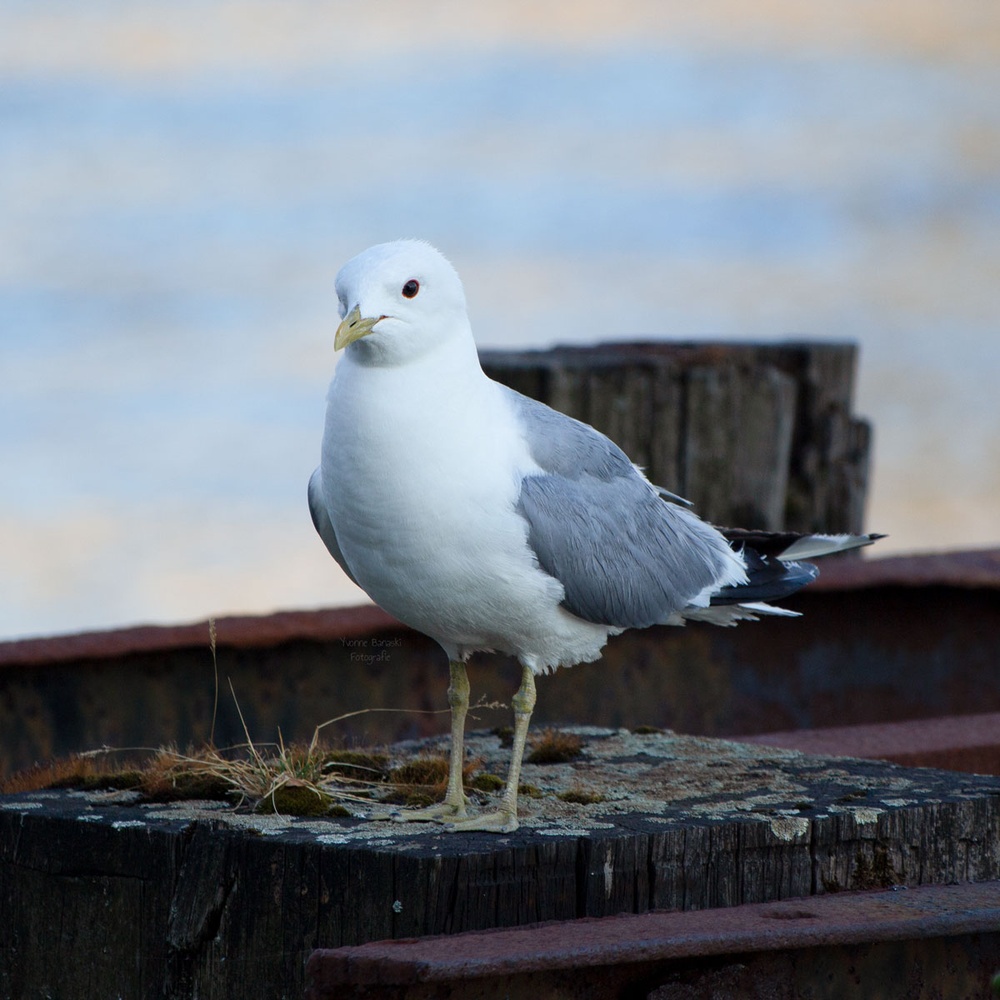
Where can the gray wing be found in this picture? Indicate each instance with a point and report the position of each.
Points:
(623, 555)
(322, 524)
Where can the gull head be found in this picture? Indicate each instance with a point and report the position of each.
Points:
(397, 301)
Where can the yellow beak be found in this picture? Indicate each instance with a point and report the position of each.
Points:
(353, 328)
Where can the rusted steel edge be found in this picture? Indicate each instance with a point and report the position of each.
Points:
(835, 919)
(238, 631)
(908, 742)
(970, 570)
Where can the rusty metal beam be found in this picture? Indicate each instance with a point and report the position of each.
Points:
(955, 743)
(928, 941)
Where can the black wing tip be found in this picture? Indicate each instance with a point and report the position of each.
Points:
(768, 579)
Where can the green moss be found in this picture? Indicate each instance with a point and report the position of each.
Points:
(486, 782)
(418, 800)
(194, 785)
(580, 796)
(532, 791)
(116, 781)
(295, 799)
(177, 786)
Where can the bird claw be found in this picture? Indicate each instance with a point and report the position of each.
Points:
(501, 821)
(454, 818)
(442, 812)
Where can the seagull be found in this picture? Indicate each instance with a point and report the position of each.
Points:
(490, 522)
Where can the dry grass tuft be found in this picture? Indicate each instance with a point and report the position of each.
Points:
(295, 780)
(95, 770)
(553, 747)
(364, 764)
(164, 778)
(419, 782)
(423, 781)
(431, 771)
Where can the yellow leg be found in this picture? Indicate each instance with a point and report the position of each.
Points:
(458, 700)
(504, 820)
(453, 806)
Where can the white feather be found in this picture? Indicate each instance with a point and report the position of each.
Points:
(814, 546)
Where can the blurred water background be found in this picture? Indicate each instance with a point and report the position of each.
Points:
(180, 181)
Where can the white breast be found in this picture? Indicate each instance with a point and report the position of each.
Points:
(421, 470)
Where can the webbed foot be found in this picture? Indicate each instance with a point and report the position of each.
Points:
(501, 821)
(440, 812)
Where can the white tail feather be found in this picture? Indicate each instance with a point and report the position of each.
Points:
(730, 614)
(813, 546)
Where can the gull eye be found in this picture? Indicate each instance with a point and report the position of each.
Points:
(411, 288)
